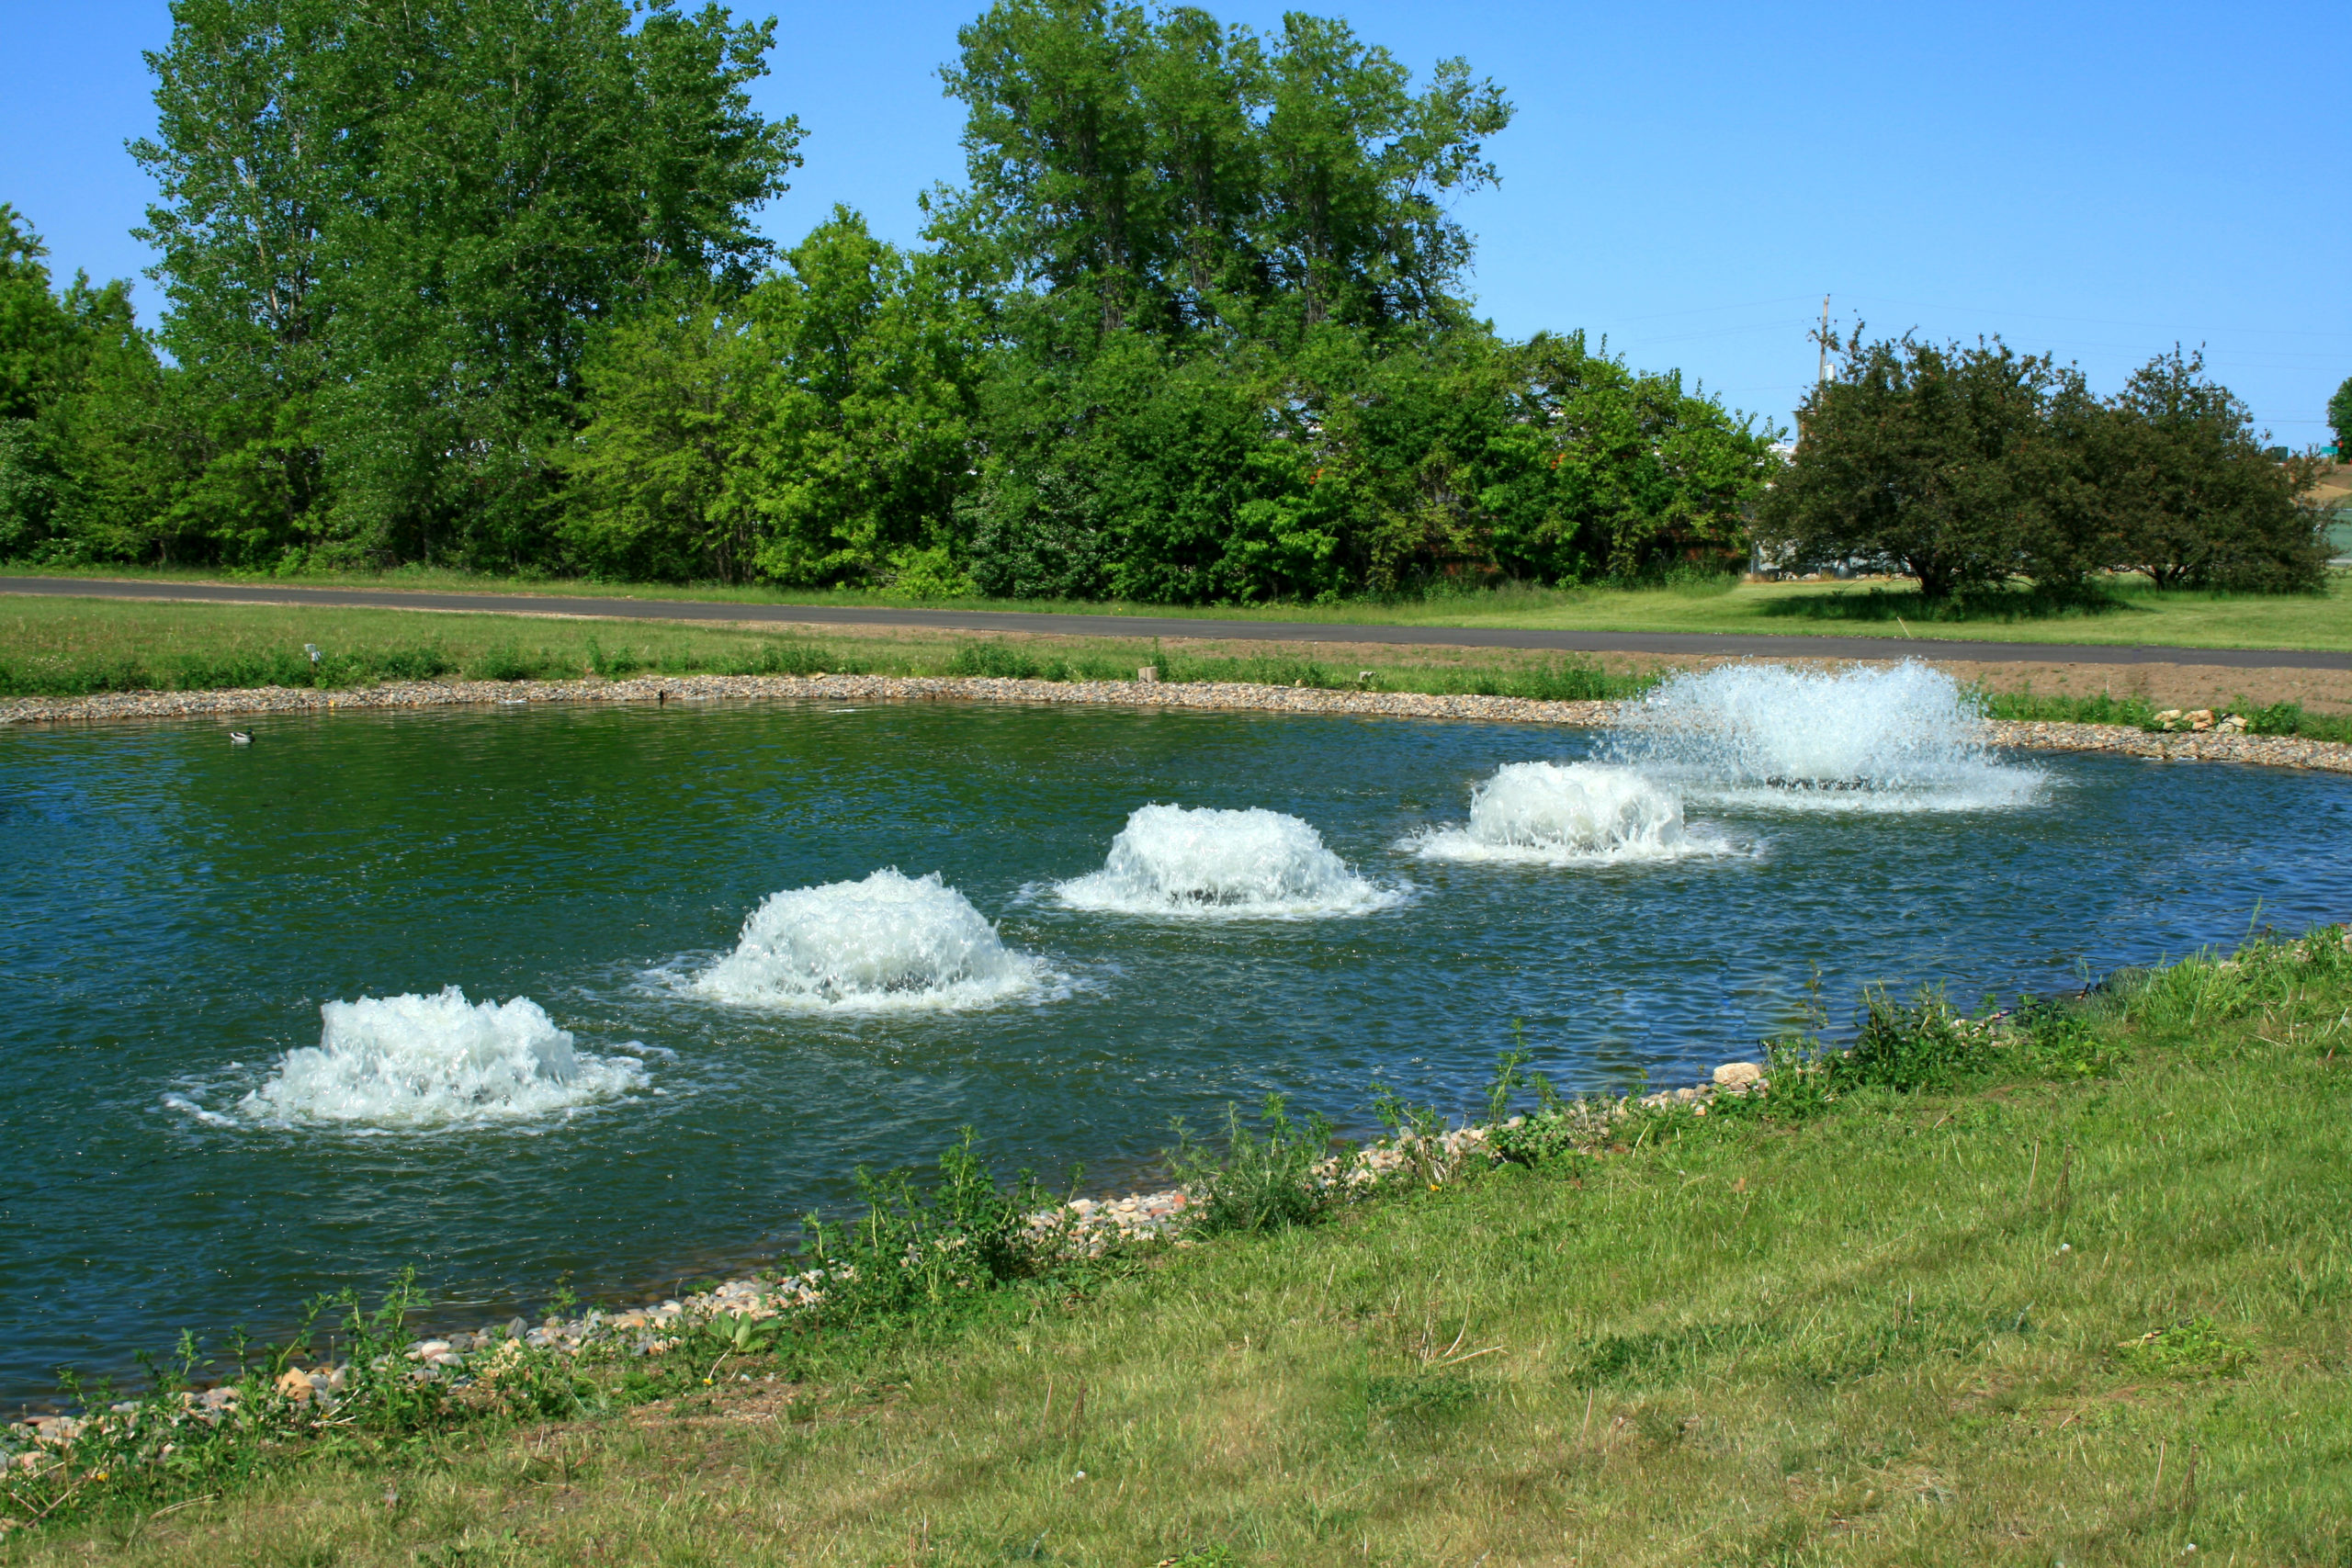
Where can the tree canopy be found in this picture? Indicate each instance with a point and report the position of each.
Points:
(480, 283)
(1969, 465)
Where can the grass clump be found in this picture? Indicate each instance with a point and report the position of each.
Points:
(1267, 1177)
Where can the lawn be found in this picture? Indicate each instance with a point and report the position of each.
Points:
(2098, 1321)
(72, 647)
(2131, 613)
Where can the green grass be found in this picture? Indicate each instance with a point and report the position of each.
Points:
(2273, 719)
(2091, 1304)
(2128, 611)
(64, 648)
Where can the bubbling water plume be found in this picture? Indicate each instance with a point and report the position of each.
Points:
(891, 942)
(412, 1062)
(1568, 814)
(1900, 739)
(1203, 863)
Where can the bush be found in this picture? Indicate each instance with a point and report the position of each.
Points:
(998, 661)
(1263, 1180)
(922, 1252)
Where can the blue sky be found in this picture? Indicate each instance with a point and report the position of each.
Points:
(2101, 181)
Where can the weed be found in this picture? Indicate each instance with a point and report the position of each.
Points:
(2191, 1349)
(1418, 1132)
(1922, 1044)
(1265, 1178)
(996, 660)
(922, 1252)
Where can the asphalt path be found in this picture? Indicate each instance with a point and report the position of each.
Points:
(1730, 645)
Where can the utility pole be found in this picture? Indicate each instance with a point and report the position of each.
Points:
(1825, 339)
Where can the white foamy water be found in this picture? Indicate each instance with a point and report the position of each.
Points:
(411, 1062)
(1899, 739)
(889, 942)
(1568, 814)
(1205, 862)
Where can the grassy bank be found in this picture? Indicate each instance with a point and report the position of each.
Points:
(76, 646)
(2127, 611)
(2075, 1293)
(66, 648)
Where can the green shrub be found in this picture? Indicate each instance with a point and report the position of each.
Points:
(996, 660)
(924, 1252)
(1922, 1044)
(1263, 1180)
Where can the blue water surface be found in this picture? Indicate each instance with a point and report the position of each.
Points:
(174, 910)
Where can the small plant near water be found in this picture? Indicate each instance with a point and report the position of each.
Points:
(1266, 1178)
(922, 1252)
(1925, 1044)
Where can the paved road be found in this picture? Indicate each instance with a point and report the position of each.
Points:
(1729, 644)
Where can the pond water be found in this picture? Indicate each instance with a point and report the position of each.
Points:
(733, 952)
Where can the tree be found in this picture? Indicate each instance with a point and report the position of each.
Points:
(1168, 168)
(388, 232)
(1358, 168)
(1915, 454)
(814, 431)
(74, 452)
(2339, 420)
(869, 359)
(2195, 500)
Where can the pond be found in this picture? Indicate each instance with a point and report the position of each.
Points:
(732, 951)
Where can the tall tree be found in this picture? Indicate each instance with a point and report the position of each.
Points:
(388, 230)
(2195, 499)
(76, 454)
(1912, 453)
(1157, 162)
(1358, 167)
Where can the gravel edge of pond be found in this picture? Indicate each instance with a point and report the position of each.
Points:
(2262, 750)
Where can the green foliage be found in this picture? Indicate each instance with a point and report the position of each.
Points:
(1924, 1043)
(813, 432)
(1160, 169)
(2268, 973)
(386, 234)
(1265, 1178)
(924, 1252)
(1339, 463)
(2340, 419)
(2193, 497)
(2192, 1348)
(999, 660)
(2289, 718)
(2054, 1039)
(1914, 453)
(1969, 467)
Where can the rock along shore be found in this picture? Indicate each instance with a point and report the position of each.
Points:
(2210, 746)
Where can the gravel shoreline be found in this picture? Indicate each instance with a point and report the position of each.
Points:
(2261, 751)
